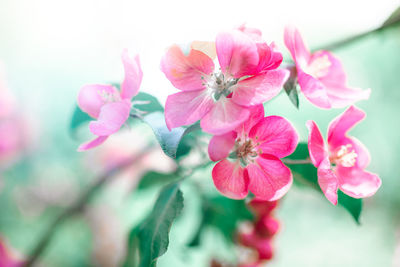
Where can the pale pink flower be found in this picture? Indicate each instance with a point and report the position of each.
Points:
(7, 100)
(249, 157)
(320, 75)
(341, 162)
(16, 131)
(109, 106)
(220, 98)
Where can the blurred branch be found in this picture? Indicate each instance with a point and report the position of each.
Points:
(45, 239)
(296, 161)
(391, 22)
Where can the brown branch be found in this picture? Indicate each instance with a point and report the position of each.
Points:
(46, 237)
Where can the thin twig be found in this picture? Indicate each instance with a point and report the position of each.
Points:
(349, 40)
(45, 239)
(296, 161)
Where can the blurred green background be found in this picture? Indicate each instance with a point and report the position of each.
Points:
(48, 58)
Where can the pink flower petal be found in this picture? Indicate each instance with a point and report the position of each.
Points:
(313, 90)
(270, 57)
(338, 128)
(230, 179)
(185, 108)
(93, 143)
(112, 116)
(8, 258)
(328, 181)
(269, 178)
(256, 114)
(276, 136)
(207, 48)
(363, 157)
(357, 183)
(316, 144)
(221, 145)
(186, 72)
(296, 46)
(237, 53)
(335, 73)
(224, 117)
(342, 96)
(260, 88)
(93, 96)
(133, 76)
(253, 33)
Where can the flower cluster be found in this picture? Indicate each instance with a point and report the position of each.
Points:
(224, 84)
(258, 235)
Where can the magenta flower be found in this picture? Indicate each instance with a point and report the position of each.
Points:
(110, 107)
(320, 75)
(220, 97)
(341, 163)
(7, 257)
(249, 157)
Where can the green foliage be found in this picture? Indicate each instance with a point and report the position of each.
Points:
(78, 118)
(222, 214)
(291, 90)
(153, 178)
(393, 18)
(169, 140)
(148, 241)
(147, 103)
(306, 174)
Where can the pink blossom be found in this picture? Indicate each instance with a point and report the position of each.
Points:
(258, 235)
(7, 257)
(249, 157)
(320, 75)
(16, 133)
(341, 162)
(220, 98)
(110, 107)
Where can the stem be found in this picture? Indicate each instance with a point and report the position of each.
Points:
(45, 239)
(349, 40)
(296, 161)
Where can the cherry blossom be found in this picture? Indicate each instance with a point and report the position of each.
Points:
(249, 157)
(109, 106)
(342, 160)
(320, 75)
(220, 97)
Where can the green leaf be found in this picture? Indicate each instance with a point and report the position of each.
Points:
(306, 174)
(153, 178)
(222, 214)
(393, 18)
(169, 140)
(147, 103)
(291, 88)
(131, 258)
(352, 205)
(153, 235)
(78, 118)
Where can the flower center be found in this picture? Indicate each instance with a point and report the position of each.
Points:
(220, 85)
(319, 67)
(246, 150)
(345, 156)
(108, 96)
